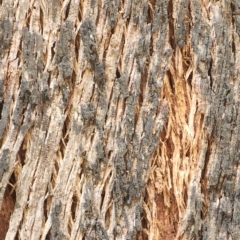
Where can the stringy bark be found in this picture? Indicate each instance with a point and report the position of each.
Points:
(119, 119)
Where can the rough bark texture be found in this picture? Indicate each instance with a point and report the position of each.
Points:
(119, 119)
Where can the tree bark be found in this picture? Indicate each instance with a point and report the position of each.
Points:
(119, 119)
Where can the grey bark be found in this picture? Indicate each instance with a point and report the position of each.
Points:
(119, 119)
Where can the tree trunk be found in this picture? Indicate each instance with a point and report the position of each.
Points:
(119, 119)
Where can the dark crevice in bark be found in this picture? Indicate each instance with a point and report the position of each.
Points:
(99, 3)
(95, 92)
(27, 19)
(77, 46)
(64, 141)
(102, 198)
(189, 80)
(48, 236)
(46, 204)
(171, 25)
(151, 47)
(53, 51)
(12, 186)
(80, 14)
(118, 75)
(143, 85)
(22, 153)
(19, 81)
(108, 39)
(151, 7)
(210, 74)
(144, 227)
(1, 108)
(7, 206)
(108, 107)
(19, 52)
(204, 181)
(122, 44)
(75, 201)
(17, 236)
(233, 25)
(72, 84)
(49, 79)
(41, 20)
(171, 82)
(67, 10)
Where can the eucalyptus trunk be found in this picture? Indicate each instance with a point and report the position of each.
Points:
(119, 119)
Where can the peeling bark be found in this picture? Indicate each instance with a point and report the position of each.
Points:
(119, 119)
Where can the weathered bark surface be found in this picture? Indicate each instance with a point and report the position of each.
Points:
(119, 119)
